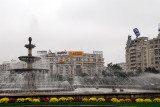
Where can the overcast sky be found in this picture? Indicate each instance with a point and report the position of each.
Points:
(99, 25)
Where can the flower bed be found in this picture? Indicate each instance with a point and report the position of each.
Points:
(78, 101)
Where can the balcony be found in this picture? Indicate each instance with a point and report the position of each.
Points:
(132, 48)
(133, 51)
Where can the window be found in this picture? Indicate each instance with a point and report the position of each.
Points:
(151, 59)
(156, 62)
(88, 59)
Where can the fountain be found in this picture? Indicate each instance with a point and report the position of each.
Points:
(29, 71)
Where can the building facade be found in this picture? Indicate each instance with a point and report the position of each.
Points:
(142, 53)
(66, 63)
(69, 63)
(154, 53)
(6, 65)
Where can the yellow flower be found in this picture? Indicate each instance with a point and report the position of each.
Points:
(28, 100)
(101, 100)
(115, 100)
(156, 100)
(20, 100)
(147, 100)
(63, 99)
(4, 100)
(122, 100)
(35, 100)
(118, 101)
(53, 100)
(139, 100)
(128, 100)
(93, 99)
(85, 100)
(69, 99)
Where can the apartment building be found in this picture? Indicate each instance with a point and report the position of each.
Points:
(75, 62)
(154, 53)
(142, 53)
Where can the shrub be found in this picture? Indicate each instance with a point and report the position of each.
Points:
(128, 100)
(62, 99)
(28, 100)
(147, 100)
(20, 100)
(122, 100)
(156, 100)
(108, 100)
(44, 100)
(53, 100)
(133, 100)
(35, 100)
(93, 99)
(4, 100)
(70, 99)
(101, 100)
(77, 100)
(85, 100)
(115, 100)
(139, 100)
(12, 101)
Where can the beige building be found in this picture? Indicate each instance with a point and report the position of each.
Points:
(75, 62)
(6, 65)
(142, 53)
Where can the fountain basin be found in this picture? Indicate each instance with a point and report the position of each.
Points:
(84, 93)
(29, 58)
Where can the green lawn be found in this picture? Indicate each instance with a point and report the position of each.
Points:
(85, 103)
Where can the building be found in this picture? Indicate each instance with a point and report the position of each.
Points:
(142, 53)
(5, 66)
(69, 63)
(154, 53)
(66, 63)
